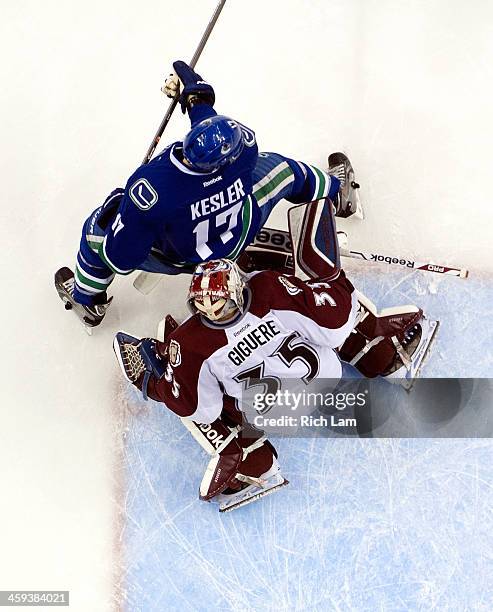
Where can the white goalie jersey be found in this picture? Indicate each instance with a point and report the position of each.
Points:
(288, 330)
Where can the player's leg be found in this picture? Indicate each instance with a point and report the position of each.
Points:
(276, 177)
(92, 276)
(84, 291)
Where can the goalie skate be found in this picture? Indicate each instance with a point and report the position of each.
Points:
(347, 201)
(89, 316)
(413, 350)
(256, 488)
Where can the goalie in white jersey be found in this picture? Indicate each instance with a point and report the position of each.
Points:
(266, 326)
(269, 326)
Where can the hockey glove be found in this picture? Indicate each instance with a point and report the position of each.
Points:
(195, 89)
(139, 359)
(172, 85)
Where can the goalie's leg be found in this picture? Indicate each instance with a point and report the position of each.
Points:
(392, 344)
(241, 470)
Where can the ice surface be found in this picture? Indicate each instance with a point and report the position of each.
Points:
(363, 525)
(464, 307)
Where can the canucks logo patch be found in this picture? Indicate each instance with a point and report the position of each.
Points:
(143, 194)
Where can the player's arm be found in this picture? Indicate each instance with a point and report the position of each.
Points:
(197, 97)
(130, 235)
(191, 391)
(174, 373)
(308, 182)
(322, 312)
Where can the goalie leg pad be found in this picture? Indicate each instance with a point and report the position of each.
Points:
(315, 243)
(236, 462)
(272, 250)
(392, 343)
(219, 441)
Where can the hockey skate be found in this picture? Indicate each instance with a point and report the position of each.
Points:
(254, 489)
(413, 350)
(347, 202)
(89, 316)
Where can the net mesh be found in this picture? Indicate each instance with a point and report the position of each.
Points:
(132, 361)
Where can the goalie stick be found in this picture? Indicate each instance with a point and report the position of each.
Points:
(269, 239)
(280, 240)
(405, 263)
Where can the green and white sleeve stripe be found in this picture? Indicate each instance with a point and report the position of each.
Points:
(321, 181)
(274, 182)
(89, 283)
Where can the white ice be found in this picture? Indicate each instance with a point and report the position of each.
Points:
(99, 489)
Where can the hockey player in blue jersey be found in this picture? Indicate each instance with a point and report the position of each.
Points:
(201, 199)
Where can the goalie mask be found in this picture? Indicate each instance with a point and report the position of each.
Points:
(216, 290)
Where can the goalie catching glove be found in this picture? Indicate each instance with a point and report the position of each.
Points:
(143, 359)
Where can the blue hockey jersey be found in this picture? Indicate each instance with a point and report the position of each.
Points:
(186, 217)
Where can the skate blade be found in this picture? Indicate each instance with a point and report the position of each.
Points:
(87, 328)
(249, 500)
(408, 382)
(359, 214)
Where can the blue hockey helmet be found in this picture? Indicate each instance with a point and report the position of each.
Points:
(212, 143)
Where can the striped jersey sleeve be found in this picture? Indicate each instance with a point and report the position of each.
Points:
(297, 182)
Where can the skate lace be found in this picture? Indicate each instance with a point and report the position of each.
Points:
(339, 172)
(410, 335)
(68, 285)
